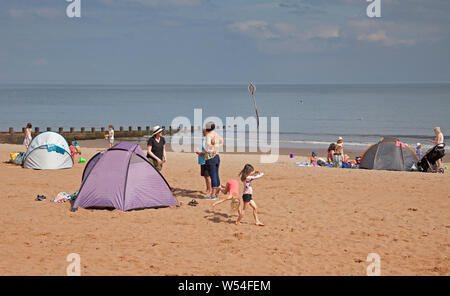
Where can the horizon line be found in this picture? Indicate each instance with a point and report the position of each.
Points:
(217, 84)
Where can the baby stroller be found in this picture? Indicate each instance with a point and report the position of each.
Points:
(428, 162)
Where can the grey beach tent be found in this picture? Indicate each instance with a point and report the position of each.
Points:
(48, 151)
(391, 155)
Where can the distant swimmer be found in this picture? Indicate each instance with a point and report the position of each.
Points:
(301, 101)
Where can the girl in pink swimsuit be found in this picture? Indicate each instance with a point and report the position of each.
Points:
(232, 189)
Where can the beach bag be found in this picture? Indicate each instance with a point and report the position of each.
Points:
(321, 162)
(346, 165)
(19, 158)
(337, 160)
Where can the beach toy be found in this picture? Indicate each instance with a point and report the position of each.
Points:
(447, 168)
(291, 155)
(13, 156)
(82, 160)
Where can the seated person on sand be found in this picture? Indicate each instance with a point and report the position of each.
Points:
(313, 158)
(338, 157)
(76, 146)
(316, 161)
(331, 151)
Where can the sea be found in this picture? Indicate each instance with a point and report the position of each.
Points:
(309, 115)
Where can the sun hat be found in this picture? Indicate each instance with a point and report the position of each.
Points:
(418, 144)
(156, 129)
(340, 139)
(314, 153)
(209, 125)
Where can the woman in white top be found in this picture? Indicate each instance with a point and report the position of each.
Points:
(438, 140)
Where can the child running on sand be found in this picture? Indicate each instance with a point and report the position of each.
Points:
(248, 174)
(232, 189)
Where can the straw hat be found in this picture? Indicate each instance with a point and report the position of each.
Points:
(340, 139)
(156, 129)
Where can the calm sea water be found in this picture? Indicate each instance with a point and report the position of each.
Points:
(359, 113)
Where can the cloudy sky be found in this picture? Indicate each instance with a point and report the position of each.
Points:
(224, 41)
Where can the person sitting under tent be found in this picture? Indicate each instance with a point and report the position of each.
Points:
(74, 148)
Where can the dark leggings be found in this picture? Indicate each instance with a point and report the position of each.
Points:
(212, 166)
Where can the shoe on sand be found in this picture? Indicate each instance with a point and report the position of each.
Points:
(193, 203)
(40, 197)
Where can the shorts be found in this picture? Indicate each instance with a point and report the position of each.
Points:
(155, 164)
(204, 170)
(111, 141)
(247, 197)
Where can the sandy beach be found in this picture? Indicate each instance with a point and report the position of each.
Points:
(319, 221)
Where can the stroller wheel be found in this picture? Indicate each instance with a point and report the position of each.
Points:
(441, 171)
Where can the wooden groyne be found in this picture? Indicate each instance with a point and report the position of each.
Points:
(16, 137)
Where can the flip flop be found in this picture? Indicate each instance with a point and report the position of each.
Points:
(40, 197)
(193, 203)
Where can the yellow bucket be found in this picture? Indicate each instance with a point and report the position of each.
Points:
(13, 156)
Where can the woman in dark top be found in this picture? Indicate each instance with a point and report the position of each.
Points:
(156, 151)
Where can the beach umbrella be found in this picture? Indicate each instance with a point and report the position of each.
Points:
(252, 90)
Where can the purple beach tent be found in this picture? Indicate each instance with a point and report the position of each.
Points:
(122, 178)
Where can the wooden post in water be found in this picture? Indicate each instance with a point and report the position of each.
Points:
(36, 130)
(72, 129)
(130, 128)
(139, 129)
(93, 130)
(102, 129)
(82, 130)
(60, 130)
(147, 129)
(23, 130)
(11, 130)
(192, 129)
(49, 129)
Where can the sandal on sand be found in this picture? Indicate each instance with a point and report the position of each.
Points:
(193, 203)
(40, 197)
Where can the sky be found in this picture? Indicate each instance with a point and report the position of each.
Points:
(224, 42)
